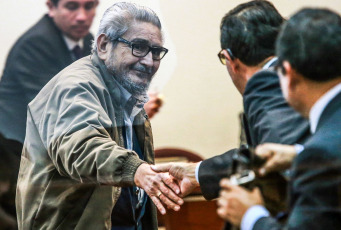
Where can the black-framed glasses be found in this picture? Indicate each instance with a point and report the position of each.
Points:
(139, 49)
(222, 57)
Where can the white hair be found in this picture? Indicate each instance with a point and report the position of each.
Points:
(118, 18)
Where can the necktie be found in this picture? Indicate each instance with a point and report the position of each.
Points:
(77, 52)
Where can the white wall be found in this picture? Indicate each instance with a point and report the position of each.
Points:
(201, 103)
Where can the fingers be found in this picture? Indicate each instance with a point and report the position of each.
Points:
(225, 210)
(165, 196)
(169, 202)
(170, 182)
(256, 192)
(279, 157)
(265, 150)
(233, 202)
(161, 167)
(226, 184)
(270, 166)
(158, 204)
(222, 210)
(169, 193)
(159, 187)
(161, 199)
(268, 151)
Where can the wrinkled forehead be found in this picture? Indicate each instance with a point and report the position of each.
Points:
(144, 32)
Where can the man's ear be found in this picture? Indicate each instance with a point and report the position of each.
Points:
(234, 63)
(103, 46)
(293, 77)
(51, 8)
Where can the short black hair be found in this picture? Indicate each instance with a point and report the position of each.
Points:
(55, 2)
(311, 42)
(250, 30)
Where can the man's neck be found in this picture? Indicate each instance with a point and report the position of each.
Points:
(251, 70)
(245, 72)
(314, 91)
(320, 105)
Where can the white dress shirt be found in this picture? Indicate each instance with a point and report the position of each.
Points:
(71, 43)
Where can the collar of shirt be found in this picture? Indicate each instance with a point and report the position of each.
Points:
(320, 105)
(71, 43)
(269, 63)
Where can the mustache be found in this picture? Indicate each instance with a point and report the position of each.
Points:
(142, 68)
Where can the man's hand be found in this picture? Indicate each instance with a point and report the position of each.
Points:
(160, 187)
(154, 104)
(183, 172)
(278, 157)
(234, 201)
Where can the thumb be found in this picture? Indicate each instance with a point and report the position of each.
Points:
(264, 151)
(225, 183)
(161, 167)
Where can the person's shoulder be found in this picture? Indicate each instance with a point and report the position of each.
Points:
(324, 144)
(79, 76)
(263, 76)
(81, 72)
(41, 34)
(39, 29)
(263, 85)
(262, 81)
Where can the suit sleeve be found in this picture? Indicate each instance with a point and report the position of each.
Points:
(212, 170)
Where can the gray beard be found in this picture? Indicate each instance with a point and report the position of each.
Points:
(125, 81)
(131, 86)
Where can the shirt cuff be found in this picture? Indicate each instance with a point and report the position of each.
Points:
(299, 148)
(197, 171)
(252, 215)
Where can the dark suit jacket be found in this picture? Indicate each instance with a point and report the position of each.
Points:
(35, 58)
(315, 190)
(269, 119)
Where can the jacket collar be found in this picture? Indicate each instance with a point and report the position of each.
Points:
(332, 105)
(108, 79)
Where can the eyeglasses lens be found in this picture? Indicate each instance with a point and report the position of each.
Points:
(141, 50)
(222, 58)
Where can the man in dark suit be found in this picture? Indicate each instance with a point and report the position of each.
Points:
(309, 66)
(248, 34)
(59, 38)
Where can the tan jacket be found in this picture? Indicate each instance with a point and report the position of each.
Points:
(73, 165)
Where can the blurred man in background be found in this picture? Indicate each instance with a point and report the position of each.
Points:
(59, 38)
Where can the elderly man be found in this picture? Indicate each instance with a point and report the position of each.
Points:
(59, 38)
(311, 82)
(88, 142)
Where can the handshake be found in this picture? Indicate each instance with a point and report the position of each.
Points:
(166, 184)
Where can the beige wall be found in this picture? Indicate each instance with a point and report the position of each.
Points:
(201, 103)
